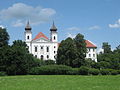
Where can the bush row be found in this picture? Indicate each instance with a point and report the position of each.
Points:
(66, 70)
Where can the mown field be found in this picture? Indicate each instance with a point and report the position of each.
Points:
(59, 82)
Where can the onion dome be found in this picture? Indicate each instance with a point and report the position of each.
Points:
(28, 27)
(53, 28)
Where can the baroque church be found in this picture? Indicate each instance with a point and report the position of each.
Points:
(46, 48)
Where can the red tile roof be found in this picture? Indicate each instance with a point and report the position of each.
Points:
(40, 35)
(90, 44)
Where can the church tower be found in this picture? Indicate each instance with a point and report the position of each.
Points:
(28, 33)
(53, 33)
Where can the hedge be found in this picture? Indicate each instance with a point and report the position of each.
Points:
(94, 71)
(73, 71)
(83, 70)
(51, 70)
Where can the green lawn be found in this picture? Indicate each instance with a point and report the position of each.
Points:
(60, 82)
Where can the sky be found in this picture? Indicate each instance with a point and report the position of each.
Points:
(97, 20)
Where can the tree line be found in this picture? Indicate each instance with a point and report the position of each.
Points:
(15, 59)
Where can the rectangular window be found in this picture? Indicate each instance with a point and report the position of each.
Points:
(35, 49)
(41, 47)
(89, 55)
(93, 50)
(47, 49)
(47, 56)
(93, 55)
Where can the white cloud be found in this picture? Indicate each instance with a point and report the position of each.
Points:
(71, 35)
(116, 25)
(96, 27)
(17, 23)
(21, 12)
(73, 28)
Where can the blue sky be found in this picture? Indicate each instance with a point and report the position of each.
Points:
(97, 20)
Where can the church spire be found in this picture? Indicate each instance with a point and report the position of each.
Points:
(28, 27)
(53, 28)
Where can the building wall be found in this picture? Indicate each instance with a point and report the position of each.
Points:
(92, 53)
(53, 47)
(42, 49)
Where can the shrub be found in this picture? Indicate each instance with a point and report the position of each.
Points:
(114, 72)
(49, 62)
(105, 71)
(118, 71)
(34, 71)
(3, 73)
(94, 71)
(73, 71)
(83, 70)
(51, 70)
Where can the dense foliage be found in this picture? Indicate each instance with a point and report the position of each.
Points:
(4, 37)
(72, 52)
(109, 59)
(16, 60)
(50, 70)
(67, 53)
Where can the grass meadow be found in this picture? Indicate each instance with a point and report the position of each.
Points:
(59, 82)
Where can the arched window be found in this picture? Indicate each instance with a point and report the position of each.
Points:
(27, 37)
(42, 57)
(54, 37)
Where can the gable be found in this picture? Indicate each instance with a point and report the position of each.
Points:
(41, 40)
(40, 35)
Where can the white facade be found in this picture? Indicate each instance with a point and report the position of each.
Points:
(44, 48)
(91, 53)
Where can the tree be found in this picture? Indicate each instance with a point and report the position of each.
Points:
(106, 47)
(66, 52)
(109, 59)
(72, 52)
(4, 37)
(19, 43)
(81, 49)
(15, 60)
